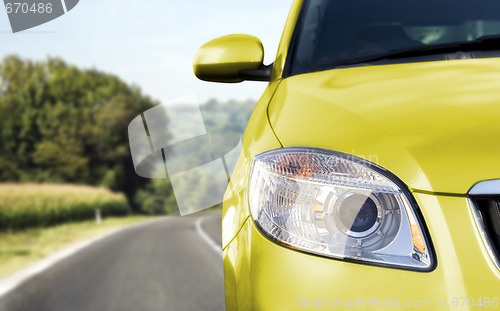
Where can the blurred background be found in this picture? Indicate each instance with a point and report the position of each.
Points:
(69, 89)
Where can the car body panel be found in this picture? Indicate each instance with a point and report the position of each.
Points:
(286, 39)
(260, 136)
(259, 275)
(433, 124)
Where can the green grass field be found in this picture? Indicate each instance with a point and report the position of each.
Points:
(19, 249)
(42, 205)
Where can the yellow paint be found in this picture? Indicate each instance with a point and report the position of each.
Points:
(286, 38)
(265, 276)
(221, 59)
(433, 124)
(258, 137)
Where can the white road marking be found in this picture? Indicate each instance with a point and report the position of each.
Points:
(216, 247)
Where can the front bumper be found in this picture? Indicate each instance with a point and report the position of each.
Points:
(261, 275)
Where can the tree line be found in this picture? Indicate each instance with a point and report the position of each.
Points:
(63, 124)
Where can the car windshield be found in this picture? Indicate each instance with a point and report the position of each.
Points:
(332, 33)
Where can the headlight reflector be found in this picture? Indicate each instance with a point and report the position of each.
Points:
(339, 206)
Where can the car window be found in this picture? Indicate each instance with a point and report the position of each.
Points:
(331, 31)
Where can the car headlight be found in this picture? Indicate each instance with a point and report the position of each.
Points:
(339, 206)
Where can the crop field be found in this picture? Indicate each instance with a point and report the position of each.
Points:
(42, 205)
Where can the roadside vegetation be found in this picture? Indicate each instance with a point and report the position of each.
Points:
(64, 154)
(62, 124)
(19, 249)
(42, 205)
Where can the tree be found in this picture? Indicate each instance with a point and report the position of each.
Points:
(60, 123)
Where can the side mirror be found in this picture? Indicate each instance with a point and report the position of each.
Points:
(231, 59)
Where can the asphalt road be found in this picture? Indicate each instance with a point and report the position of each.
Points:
(165, 265)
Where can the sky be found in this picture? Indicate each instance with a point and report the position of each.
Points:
(151, 43)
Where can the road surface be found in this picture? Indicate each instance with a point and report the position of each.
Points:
(169, 264)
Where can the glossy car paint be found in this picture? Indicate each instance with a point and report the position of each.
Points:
(432, 124)
(221, 59)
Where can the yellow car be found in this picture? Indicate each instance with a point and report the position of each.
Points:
(369, 176)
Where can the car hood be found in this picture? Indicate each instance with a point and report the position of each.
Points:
(435, 125)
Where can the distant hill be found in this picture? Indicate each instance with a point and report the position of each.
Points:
(217, 116)
(227, 116)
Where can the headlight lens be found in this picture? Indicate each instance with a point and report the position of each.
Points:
(339, 206)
